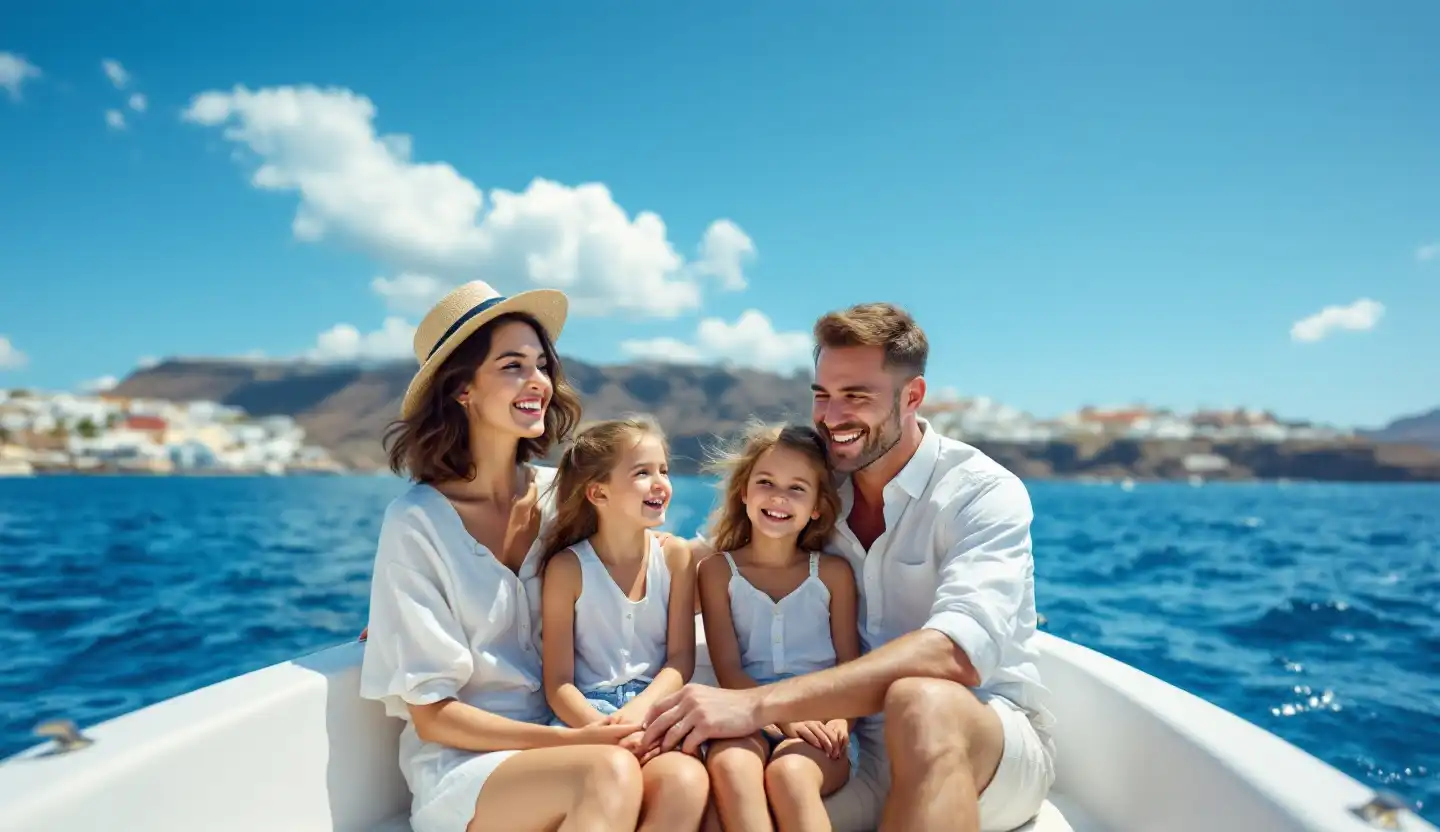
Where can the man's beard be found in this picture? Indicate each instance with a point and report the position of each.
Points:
(878, 441)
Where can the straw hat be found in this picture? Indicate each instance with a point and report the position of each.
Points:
(467, 308)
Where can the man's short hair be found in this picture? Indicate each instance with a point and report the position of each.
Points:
(882, 325)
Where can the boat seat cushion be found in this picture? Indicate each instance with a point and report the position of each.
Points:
(1048, 820)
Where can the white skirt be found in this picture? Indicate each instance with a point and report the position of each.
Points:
(445, 783)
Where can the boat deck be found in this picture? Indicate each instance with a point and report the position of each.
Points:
(1057, 815)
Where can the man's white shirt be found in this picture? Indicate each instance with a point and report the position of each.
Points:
(955, 557)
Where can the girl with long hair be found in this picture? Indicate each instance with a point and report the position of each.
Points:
(619, 605)
(775, 607)
(452, 644)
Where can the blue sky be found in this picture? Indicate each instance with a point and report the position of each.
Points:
(1101, 207)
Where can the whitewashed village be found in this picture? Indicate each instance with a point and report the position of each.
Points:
(982, 418)
(103, 433)
(65, 432)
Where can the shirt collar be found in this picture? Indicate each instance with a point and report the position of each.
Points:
(913, 478)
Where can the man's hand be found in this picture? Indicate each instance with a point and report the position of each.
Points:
(696, 713)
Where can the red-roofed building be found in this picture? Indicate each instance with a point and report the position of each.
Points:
(153, 426)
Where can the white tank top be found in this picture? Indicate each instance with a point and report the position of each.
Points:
(789, 637)
(618, 640)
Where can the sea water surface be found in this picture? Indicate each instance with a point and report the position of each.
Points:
(1310, 610)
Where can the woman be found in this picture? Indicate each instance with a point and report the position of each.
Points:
(453, 637)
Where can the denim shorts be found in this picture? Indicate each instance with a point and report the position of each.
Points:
(609, 700)
(852, 745)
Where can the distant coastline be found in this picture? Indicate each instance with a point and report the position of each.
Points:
(216, 417)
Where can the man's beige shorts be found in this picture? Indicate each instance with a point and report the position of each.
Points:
(1014, 796)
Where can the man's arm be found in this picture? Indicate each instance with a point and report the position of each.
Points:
(976, 608)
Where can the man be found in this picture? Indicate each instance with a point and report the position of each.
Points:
(938, 534)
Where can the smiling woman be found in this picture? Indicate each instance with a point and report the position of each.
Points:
(453, 646)
(454, 345)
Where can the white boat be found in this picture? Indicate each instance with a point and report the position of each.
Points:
(293, 747)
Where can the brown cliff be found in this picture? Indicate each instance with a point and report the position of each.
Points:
(346, 409)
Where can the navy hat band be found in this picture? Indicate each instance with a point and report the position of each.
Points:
(459, 322)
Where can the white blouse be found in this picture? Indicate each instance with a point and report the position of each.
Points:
(618, 640)
(449, 620)
(789, 637)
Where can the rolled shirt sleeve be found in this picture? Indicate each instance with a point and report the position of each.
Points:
(984, 572)
(416, 653)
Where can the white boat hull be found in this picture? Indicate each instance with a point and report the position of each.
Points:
(292, 747)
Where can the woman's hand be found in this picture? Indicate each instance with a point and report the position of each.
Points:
(600, 733)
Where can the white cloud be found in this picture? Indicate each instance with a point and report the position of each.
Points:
(723, 251)
(410, 293)
(343, 342)
(99, 385)
(147, 361)
(749, 342)
(1359, 316)
(138, 102)
(14, 72)
(1428, 252)
(10, 357)
(116, 73)
(364, 189)
(115, 120)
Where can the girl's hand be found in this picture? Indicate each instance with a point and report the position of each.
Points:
(599, 733)
(634, 743)
(814, 733)
(840, 732)
(620, 717)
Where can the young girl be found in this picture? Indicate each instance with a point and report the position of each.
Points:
(618, 606)
(773, 608)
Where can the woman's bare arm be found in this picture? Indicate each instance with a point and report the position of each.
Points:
(458, 725)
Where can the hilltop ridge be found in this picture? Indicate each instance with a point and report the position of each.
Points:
(346, 408)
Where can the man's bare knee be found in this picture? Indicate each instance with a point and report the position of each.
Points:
(932, 720)
(930, 717)
(926, 704)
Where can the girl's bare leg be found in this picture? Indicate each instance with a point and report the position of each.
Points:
(677, 787)
(737, 780)
(798, 776)
(570, 788)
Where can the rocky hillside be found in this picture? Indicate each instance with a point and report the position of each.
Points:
(1357, 460)
(346, 410)
(1420, 429)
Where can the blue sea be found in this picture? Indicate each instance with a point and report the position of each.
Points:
(1311, 610)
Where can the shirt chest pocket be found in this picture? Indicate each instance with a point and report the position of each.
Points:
(910, 590)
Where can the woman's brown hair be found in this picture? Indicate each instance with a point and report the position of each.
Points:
(730, 526)
(433, 445)
(590, 459)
